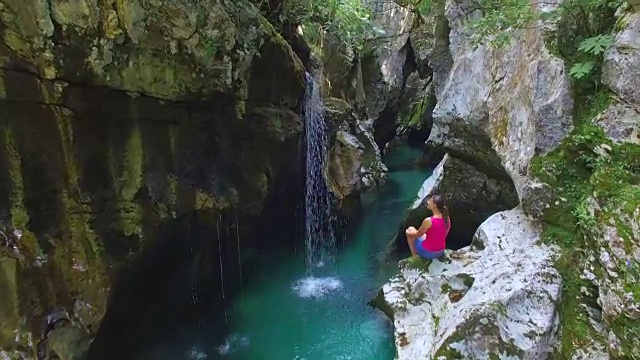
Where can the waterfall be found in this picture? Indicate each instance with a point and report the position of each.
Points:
(319, 236)
(220, 261)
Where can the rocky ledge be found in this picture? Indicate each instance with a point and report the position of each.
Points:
(494, 298)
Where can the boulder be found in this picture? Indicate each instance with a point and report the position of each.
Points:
(355, 163)
(621, 67)
(492, 299)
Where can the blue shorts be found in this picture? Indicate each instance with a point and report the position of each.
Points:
(425, 254)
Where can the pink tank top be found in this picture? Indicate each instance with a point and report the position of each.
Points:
(436, 236)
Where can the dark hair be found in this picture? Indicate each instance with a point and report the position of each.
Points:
(441, 204)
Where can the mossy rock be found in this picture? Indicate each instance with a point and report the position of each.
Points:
(596, 185)
(481, 333)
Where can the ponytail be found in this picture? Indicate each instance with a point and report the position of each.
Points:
(441, 204)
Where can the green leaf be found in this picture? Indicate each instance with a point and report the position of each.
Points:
(580, 70)
(596, 45)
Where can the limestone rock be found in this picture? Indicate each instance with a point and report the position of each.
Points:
(430, 45)
(471, 195)
(120, 116)
(415, 104)
(431, 184)
(488, 300)
(173, 51)
(390, 56)
(500, 107)
(621, 67)
(355, 162)
(617, 253)
(621, 123)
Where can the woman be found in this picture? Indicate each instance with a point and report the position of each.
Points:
(429, 241)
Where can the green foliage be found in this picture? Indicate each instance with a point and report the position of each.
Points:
(592, 47)
(500, 18)
(421, 8)
(596, 45)
(579, 169)
(584, 29)
(580, 70)
(347, 20)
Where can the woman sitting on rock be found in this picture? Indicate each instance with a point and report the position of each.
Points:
(429, 241)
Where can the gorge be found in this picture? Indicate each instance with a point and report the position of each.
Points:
(196, 179)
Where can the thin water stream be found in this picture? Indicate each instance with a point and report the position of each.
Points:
(319, 238)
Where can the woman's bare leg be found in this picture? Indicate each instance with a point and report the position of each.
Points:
(411, 237)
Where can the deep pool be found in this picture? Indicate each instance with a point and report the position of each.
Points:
(284, 314)
(288, 315)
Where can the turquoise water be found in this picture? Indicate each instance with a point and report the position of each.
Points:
(285, 314)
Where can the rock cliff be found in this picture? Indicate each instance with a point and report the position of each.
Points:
(118, 117)
(548, 276)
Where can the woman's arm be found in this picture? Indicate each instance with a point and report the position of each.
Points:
(426, 224)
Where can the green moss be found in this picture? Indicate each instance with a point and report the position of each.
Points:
(501, 131)
(628, 332)
(445, 288)
(467, 279)
(17, 209)
(416, 117)
(9, 300)
(126, 169)
(489, 334)
(416, 263)
(448, 353)
(203, 201)
(579, 170)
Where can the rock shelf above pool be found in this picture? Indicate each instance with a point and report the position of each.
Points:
(496, 297)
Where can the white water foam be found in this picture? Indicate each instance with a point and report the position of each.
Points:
(232, 344)
(316, 287)
(196, 354)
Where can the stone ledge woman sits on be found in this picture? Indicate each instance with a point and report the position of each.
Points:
(429, 241)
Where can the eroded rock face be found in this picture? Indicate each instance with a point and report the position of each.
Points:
(617, 253)
(430, 43)
(355, 162)
(497, 108)
(381, 81)
(493, 299)
(119, 116)
(621, 67)
(171, 50)
(390, 56)
(500, 107)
